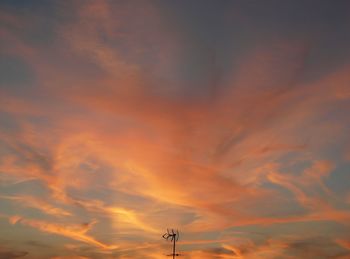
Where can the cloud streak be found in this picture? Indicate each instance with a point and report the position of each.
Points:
(76, 232)
(39, 204)
(141, 117)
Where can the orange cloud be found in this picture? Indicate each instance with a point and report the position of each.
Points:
(299, 185)
(121, 216)
(344, 243)
(76, 232)
(112, 116)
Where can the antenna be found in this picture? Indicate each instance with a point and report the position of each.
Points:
(172, 236)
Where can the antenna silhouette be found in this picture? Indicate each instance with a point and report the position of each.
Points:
(173, 237)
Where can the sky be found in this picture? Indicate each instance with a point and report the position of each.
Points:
(226, 120)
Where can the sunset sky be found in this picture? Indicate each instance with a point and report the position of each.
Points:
(227, 120)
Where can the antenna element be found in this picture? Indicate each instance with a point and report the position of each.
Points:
(172, 236)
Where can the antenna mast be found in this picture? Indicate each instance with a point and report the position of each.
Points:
(172, 236)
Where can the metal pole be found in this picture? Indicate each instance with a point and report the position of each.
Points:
(174, 247)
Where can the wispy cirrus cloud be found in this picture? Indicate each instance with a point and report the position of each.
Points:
(111, 122)
(39, 204)
(77, 232)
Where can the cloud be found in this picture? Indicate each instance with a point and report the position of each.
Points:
(11, 254)
(298, 184)
(317, 247)
(271, 248)
(212, 253)
(121, 216)
(39, 204)
(344, 243)
(116, 129)
(144, 160)
(76, 232)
